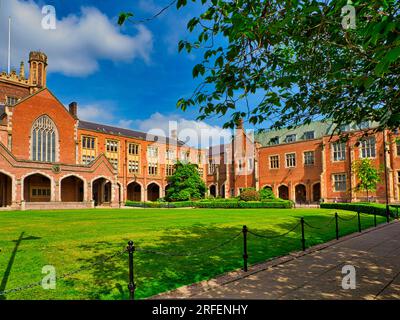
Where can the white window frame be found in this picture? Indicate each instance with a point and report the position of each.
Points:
(368, 147)
(341, 152)
(270, 161)
(286, 159)
(313, 158)
(334, 175)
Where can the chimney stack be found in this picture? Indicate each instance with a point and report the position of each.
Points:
(73, 109)
(174, 134)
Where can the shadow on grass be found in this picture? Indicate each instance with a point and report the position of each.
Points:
(189, 255)
(7, 272)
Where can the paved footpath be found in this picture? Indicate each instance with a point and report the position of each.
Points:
(315, 274)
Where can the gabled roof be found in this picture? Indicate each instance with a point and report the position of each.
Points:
(125, 132)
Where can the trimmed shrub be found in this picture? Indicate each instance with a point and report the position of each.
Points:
(364, 207)
(266, 194)
(138, 204)
(245, 204)
(249, 195)
(283, 204)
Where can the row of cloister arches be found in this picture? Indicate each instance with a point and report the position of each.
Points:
(300, 192)
(153, 191)
(38, 187)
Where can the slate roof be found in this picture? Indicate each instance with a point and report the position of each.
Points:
(125, 132)
(320, 129)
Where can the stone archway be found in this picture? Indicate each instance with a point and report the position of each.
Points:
(301, 193)
(37, 188)
(134, 192)
(213, 190)
(5, 190)
(153, 192)
(283, 192)
(316, 191)
(72, 189)
(101, 189)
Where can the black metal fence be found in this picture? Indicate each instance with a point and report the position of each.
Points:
(245, 232)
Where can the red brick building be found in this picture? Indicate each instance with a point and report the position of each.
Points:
(49, 158)
(308, 164)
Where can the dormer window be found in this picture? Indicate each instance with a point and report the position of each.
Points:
(363, 125)
(309, 135)
(274, 140)
(290, 138)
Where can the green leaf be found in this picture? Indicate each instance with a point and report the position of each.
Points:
(123, 17)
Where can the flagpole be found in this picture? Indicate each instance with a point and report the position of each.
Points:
(9, 45)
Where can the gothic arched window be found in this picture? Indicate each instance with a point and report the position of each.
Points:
(44, 139)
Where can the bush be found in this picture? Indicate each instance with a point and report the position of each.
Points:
(231, 204)
(266, 194)
(364, 207)
(138, 204)
(249, 194)
(244, 204)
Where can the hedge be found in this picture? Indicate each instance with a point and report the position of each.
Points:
(212, 204)
(182, 204)
(370, 208)
(245, 204)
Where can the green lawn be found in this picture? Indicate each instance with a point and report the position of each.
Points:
(69, 240)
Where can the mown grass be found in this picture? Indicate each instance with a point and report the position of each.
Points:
(69, 240)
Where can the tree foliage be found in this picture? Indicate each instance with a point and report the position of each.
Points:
(185, 183)
(367, 175)
(298, 59)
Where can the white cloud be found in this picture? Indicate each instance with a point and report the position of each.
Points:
(78, 43)
(194, 133)
(100, 112)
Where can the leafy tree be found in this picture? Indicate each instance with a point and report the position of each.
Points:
(299, 59)
(367, 174)
(185, 183)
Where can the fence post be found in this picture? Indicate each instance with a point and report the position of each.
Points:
(387, 214)
(375, 219)
(131, 285)
(303, 239)
(359, 221)
(245, 255)
(337, 225)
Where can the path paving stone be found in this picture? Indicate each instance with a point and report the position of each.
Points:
(317, 274)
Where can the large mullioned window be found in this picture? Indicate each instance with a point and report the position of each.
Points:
(44, 138)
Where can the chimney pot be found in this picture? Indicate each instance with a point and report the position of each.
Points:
(73, 109)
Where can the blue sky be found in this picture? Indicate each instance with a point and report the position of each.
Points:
(130, 76)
